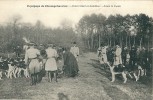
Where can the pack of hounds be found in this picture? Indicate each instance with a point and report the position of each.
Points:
(13, 67)
(135, 62)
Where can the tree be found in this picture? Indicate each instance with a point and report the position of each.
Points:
(143, 24)
(66, 24)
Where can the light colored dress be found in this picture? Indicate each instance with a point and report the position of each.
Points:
(51, 64)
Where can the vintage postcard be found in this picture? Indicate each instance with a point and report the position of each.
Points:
(76, 50)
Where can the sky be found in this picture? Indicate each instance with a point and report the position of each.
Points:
(53, 16)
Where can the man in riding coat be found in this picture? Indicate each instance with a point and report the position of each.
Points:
(124, 55)
(18, 51)
(31, 59)
(133, 57)
(118, 59)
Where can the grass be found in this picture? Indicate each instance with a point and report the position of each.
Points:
(93, 83)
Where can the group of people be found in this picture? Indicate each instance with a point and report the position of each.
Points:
(41, 60)
(134, 56)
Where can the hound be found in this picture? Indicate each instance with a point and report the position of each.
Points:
(123, 70)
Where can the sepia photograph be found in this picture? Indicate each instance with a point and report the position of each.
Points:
(76, 50)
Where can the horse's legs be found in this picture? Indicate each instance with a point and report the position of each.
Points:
(35, 78)
(32, 79)
(40, 74)
(38, 77)
(49, 76)
(48, 73)
(55, 75)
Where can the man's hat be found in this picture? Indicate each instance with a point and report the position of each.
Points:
(117, 45)
(35, 44)
(125, 47)
(41, 44)
(74, 42)
(50, 45)
(31, 44)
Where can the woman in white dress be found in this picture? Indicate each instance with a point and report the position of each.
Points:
(51, 65)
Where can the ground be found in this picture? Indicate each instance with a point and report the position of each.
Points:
(93, 83)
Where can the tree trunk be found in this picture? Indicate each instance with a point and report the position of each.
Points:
(99, 40)
(110, 41)
(130, 42)
(126, 41)
(114, 42)
(92, 41)
(134, 40)
(89, 44)
(148, 44)
(140, 43)
(120, 41)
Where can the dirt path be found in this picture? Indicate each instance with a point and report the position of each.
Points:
(93, 83)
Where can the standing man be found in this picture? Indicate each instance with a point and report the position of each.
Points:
(118, 59)
(124, 55)
(75, 50)
(18, 51)
(31, 59)
(133, 56)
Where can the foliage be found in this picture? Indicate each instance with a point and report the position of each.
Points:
(90, 32)
(126, 30)
(12, 33)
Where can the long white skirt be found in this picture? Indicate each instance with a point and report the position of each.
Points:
(51, 65)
